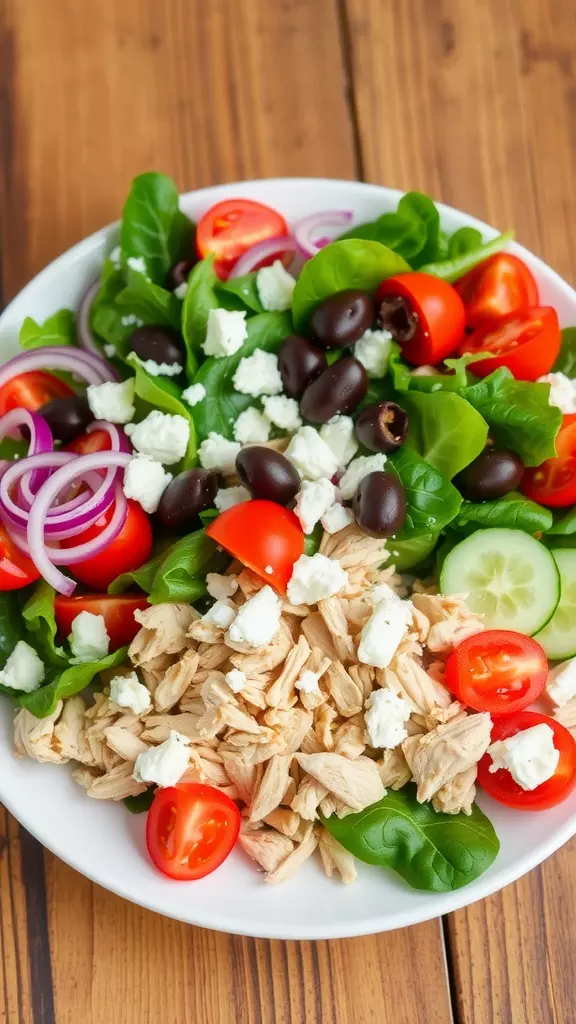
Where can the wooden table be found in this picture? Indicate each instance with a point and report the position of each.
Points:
(473, 101)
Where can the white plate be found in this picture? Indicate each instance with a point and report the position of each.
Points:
(105, 842)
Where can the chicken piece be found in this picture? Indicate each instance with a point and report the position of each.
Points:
(332, 611)
(324, 716)
(34, 737)
(236, 718)
(284, 820)
(356, 783)
(421, 624)
(85, 776)
(268, 848)
(157, 728)
(334, 856)
(271, 788)
(419, 690)
(349, 737)
(265, 659)
(318, 635)
(328, 805)
(451, 621)
(439, 716)
(116, 784)
(449, 749)
(282, 693)
(365, 677)
(458, 794)
(124, 743)
(215, 691)
(307, 799)
(445, 636)
(393, 768)
(246, 777)
(291, 725)
(212, 656)
(288, 867)
(353, 549)
(176, 681)
(566, 715)
(347, 694)
(69, 735)
(164, 631)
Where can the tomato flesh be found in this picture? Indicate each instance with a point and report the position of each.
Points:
(128, 551)
(233, 226)
(16, 569)
(191, 829)
(262, 535)
(527, 343)
(31, 391)
(504, 788)
(498, 287)
(89, 443)
(437, 309)
(497, 671)
(553, 482)
(117, 611)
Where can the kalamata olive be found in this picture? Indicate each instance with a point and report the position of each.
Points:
(379, 507)
(299, 362)
(178, 274)
(338, 389)
(494, 473)
(67, 417)
(267, 474)
(186, 495)
(382, 427)
(342, 319)
(396, 315)
(160, 344)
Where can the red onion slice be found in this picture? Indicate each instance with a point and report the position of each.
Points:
(40, 436)
(311, 232)
(118, 439)
(277, 246)
(90, 368)
(86, 339)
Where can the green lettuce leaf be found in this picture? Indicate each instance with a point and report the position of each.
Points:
(38, 614)
(566, 362)
(200, 298)
(514, 512)
(153, 227)
(431, 501)
(456, 266)
(59, 329)
(70, 681)
(164, 394)
(445, 430)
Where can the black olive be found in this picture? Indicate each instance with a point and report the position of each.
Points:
(338, 389)
(397, 316)
(67, 417)
(186, 495)
(179, 273)
(267, 474)
(299, 361)
(342, 319)
(494, 473)
(160, 344)
(379, 507)
(382, 427)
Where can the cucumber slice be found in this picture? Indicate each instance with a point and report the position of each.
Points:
(558, 638)
(508, 576)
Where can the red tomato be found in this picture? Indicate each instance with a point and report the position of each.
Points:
(502, 786)
(16, 569)
(191, 829)
(230, 228)
(527, 343)
(261, 533)
(118, 613)
(31, 391)
(87, 444)
(553, 482)
(129, 550)
(497, 671)
(499, 286)
(437, 309)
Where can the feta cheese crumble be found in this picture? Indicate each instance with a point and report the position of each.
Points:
(283, 412)
(385, 715)
(180, 291)
(252, 427)
(373, 351)
(221, 614)
(194, 394)
(165, 764)
(236, 680)
(162, 436)
(227, 497)
(357, 470)
(275, 286)
(308, 682)
(23, 670)
(111, 401)
(128, 692)
(89, 640)
(561, 685)
(161, 369)
(109, 351)
(336, 518)
(258, 374)
(137, 263)
(315, 577)
(257, 620)
(530, 756)
(311, 455)
(226, 332)
(217, 452)
(145, 482)
(115, 255)
(562, 391)
(339, 435)
(313, 499)
(220, 586)
(130, 320)
(383, 632)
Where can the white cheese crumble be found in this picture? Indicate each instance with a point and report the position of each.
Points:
(283, 412)
(236, 680)
(383, 632)
(530, 756)
(162, 436)
(357, 470)
(145, 482)
(373, 351)
(130, 320)
(561, 685)
(313, 499)
(109, 351)
(227, 497)
(165, 764)
(89, 640)
(217, 452)
(308, 682)
(385, 715)
(160, 369)
(257, 620)
(194, 394)
(258, 374)
(336, 518)
(221, 614)
(252, 427)
(180, 291)
(562, 391)
(226, 332)
(275, 286)
(23, 670)
(128, 692)
(137, 263)
(311, 455)
(315, 577)
(111, 401)
(339, 435)
(115, 255)
(220, 586)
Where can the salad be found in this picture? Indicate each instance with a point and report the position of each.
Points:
(287, 521)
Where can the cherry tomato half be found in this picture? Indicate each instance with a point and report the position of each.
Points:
(87, 444)
(497, 671)
(499, 286)
(233, 226)
(117, 611)
(527, 343)
(431, 318)
(16, 569)
(262, 535)
(129, 550)
(191, 829)
(503, 787)
(553, 482)
(31, 391)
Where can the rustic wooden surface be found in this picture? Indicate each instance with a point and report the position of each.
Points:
(474, 102)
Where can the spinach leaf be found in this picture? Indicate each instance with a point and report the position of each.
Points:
(153, 227)
(352, 263)
(13, 448)
(142, 577)
(445, 430)
(456, 266)
(404, 378)
(200, 298)
(38, 614)
(72, 680)
(312, 540)
(405, 554)
(181, 575)
(514, 512)
(220, 408)
(566, 362)
(149, 302)
(412, 231)
(164, 394)
(518, 414)
(563, 525)
(142, 802)
(431, 500)
(59, 329)
(431, 851)
(106, 316)
(416, 206)
(11, 627)
(463, 241)
(240, 293)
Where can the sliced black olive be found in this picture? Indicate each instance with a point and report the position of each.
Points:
(382, 427)
(67, 417)
(397, 316)
(379, 507)
(159, 344)
(342, 319)
(186, 495)
(299, 361)
(267, 474)
(338, 389)
(494, 473)
(179, 273)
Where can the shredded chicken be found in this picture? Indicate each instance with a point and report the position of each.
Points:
(449, 749)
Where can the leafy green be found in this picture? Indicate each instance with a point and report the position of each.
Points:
(149, 302)
(106, 315)
(566, 362)
(514, 512)
(11, 628)
(176, 574)
(352, 263)
(164, 394)
(312, 540)
(72, 680)
(431, 851)
(59, 329)
(431, 500)
(240, 293)
(153, 227)
(456, 266)
(463, 241)
(405, 554)
(404, 378)
(445, 430)
(142, 577)
(518, 414)
(219, 410)
(38, 614)
(12, 448)
(563, 525)
(142, 802)
(200, 298)
(412, 231)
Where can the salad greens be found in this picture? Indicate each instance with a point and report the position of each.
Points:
(513, 511)
(566, 362)
(153, 227)
(178, 573)
(149, 302)
(431, 500)
(59, 329)
(68, 682)
(445, 430)
(38, 614)
(518, 414)
(200, 298)
(164, 394)
(457, 265)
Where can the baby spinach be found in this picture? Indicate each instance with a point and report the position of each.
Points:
(106, 316)
(445, 430)
(352, 263)
(463, 241)
(38, 614)
(413, 230)
(177, 573)
(240, 293)
(11, 626)
(219, 410)
(164, 394)
(149, 302)
(564, 524)
(404, 377)
(566, 362)
(142, 577)
(200, 298)
(456, 266)
(431, 500)
(59, 329)
(518, 414)
(153, 227)
(405, 554)
(514, 512)
(142, 802)
(431, 851)
(71, 680)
